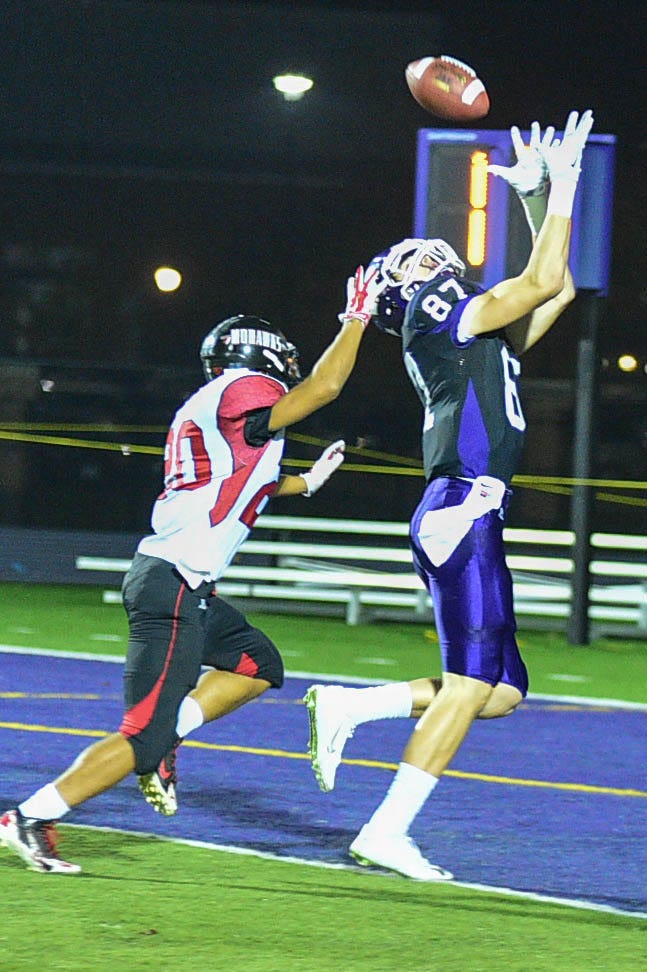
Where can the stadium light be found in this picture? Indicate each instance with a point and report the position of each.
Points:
(627, 362)
(292, 86)
(167, 279)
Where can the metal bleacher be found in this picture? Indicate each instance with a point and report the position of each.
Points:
(313, 563)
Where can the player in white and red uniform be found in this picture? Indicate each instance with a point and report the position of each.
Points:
(222, 463)
(217, 474)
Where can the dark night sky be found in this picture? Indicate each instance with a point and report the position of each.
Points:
(134, 132)
(150, 130)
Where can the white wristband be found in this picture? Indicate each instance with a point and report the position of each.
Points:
(311, 487)
(561, 198)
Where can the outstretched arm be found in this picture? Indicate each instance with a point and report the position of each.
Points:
(332, 370)
(545, 277)
(529, 179)
(529, 175)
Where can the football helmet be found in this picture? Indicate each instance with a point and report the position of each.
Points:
(401, 269)
(245, 341)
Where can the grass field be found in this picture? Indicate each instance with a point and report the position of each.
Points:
(150, 905)
(74, 618)
(144, 903)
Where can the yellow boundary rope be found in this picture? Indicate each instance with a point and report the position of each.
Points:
(407, 466)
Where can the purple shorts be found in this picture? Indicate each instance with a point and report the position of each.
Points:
(472, 593)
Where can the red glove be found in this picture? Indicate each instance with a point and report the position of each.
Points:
(361, 296)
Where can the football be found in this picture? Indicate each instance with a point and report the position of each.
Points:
(447, 88)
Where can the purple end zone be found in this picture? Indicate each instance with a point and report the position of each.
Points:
(568, 843)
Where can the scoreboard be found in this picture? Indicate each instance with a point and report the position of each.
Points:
(481, 218)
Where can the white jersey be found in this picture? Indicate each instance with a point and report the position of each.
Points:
(215, 483)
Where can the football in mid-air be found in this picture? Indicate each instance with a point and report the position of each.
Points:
(447, 88)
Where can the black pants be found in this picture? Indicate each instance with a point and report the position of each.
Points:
(173, 632)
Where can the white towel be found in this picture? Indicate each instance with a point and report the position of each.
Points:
(441, 531)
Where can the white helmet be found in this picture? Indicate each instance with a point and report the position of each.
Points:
(399, 268)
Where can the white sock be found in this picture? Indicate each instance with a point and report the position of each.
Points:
(393, 701)
(189, 717)
(405, 798)
(45, 804)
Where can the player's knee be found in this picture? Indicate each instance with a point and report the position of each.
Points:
(502, 702)
(424, 691)
(268, 662)
(469, 693)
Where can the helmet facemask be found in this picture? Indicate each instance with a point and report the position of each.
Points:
(404, 264)
(293, 375)
(404, 270)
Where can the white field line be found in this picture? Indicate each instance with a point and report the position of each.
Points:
(249, 852)
(319, 677)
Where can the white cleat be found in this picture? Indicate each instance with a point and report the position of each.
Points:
(395, 853)
(330, 727)
(159, 793)
(34, 841)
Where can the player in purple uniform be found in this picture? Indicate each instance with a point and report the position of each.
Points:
(461, 347)
(222, 463)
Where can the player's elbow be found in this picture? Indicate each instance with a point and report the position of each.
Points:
(547, 282)
(328, 388)
(320, 389)
(568, 292)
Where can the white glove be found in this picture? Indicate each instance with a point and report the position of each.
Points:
(361, 296)
(329, 460)
(529, 175)
(564, 158)
(564, 161)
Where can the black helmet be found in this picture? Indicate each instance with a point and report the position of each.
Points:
(245, 341)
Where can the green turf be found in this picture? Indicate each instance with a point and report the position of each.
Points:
(608, 668)
(144, 904)
(150, 905)
(74, 618)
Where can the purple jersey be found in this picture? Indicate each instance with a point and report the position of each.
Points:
(473, 423)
